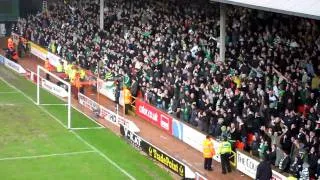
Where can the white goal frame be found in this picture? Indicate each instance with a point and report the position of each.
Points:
(42, 69)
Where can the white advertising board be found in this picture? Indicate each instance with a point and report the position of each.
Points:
(54, 60)
(106, 113)
(249, 166)
(195, 139)
(53, 88)
(38, 51)
(14, 66)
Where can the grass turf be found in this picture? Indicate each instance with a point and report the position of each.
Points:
(27, 130)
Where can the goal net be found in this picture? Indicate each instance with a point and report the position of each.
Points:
(57, 86)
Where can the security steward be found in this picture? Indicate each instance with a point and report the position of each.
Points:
(225, 152)
(60, 67)
(127, 99)
(47, 66)
(208, 153)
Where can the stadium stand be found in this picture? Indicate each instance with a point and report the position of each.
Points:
(265, 96)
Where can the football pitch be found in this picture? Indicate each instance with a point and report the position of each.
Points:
(35, 143)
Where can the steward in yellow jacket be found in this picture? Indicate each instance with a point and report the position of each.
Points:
(208, 153)
(127, 99)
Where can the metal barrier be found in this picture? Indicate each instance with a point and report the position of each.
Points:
(133, 103)
(233, 159)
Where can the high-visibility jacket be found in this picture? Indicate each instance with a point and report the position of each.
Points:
(59, 68)
(72, 75)
(225, 147)
(208, 150)
(127, 96)
(65, 66)
(291, 178)
(82, 74)
(77, 82)
(68, 70)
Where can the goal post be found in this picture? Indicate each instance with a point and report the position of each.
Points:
(47, 80)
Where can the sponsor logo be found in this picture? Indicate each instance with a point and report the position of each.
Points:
(166, 160)
(164, 122)
(53, 88)
(143, 110)
(132, 138)
(153, 152)
(88, 103)
(154, 115)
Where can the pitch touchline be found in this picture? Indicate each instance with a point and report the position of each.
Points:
(73, 132)
(9, 92)
(46, 155)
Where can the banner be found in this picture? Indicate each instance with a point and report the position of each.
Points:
(53, 88)
(38, 51)
(108, 89)
(106, 114)
(14, 66)
(134, 139)
(88, 103)
(249, 166)
(177, 129)
(157, 154)
(153, 115)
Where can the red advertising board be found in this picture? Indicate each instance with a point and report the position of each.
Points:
(153, 115)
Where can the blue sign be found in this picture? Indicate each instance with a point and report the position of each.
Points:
(1, 59)
(177, 129)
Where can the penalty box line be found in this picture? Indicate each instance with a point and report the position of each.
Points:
(74, 132)
(46, 155)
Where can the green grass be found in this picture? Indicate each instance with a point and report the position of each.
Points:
(28, 130)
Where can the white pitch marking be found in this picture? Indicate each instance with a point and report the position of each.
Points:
(87, 128)
(53, 104)
(7, 104)
(73, 132)
(45, 155)
(9, 92)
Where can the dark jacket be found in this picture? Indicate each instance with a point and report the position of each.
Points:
(264, 171)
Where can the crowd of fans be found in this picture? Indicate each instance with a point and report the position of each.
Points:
(264, 96)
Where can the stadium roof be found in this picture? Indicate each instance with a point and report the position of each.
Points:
(303, 8)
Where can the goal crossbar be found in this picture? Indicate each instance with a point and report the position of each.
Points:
(42, 69)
